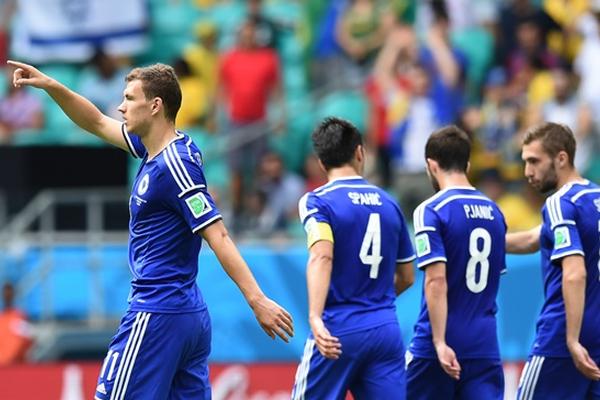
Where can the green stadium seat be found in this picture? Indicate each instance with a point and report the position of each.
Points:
(350, 105)
(478, 46)
(212, 147)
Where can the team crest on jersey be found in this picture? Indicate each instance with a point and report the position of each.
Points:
(143, 185)
(198, 205)
(562, 238)
(423, 246)
(198, 158)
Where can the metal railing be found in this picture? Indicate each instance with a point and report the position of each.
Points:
(35, 227)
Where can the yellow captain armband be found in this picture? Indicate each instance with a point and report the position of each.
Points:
(316, 231)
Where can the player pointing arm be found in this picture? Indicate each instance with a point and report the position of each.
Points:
(79, 109)
(170, 210)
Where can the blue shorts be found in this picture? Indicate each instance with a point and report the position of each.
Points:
(555, 378)
(157, 356)
(371, 367)
(479, 379)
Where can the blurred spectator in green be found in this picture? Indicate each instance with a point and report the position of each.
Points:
(361, 31)
(19, 110)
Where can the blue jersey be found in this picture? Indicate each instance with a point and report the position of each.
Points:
(465, 230)
(369, 238)
(169, 205)
(571, 225)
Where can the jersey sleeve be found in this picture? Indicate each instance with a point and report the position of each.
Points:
(406, 251)
(562, 215)
(315, 218)
(428, 237)
(134, 143)
(185, 189)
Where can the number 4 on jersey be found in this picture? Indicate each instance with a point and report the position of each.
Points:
(372, 241)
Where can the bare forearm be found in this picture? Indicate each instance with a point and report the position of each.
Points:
(437, 306)
(234, 265)
(79, 109)
(573, 288)
(523, 242)
(318, 276)
(404, 277)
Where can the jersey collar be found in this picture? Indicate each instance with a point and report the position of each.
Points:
(346, 178)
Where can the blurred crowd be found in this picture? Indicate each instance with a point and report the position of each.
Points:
(257, 75)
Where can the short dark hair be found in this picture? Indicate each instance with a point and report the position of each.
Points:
(159, 80)
(554, 138)
(450, 146)
(335, 141)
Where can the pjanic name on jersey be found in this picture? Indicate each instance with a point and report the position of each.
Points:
(369, 198)
(478, 211)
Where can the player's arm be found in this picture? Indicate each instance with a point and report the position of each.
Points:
(436, 295)
(318, 278)
(79, 109)
(573, 288)
(523, 242)
(274, 319)
(404, 277)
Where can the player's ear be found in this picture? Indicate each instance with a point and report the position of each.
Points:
(432, 165)
(359, 153)
(563, 159)
(157, 104)
(468, 167)
(321, 165)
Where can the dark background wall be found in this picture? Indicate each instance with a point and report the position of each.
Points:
(24, 171)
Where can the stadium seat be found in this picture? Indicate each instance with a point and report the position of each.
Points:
(478, 46)
(350, 105)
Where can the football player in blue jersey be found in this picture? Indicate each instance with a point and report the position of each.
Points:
(360, 259)
(563, 363)
(460, 243)
(161, 348)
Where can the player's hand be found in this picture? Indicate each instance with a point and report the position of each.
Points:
(25, 74)
(273, 318)
(329, 346)
(584, 362)
(448, 360)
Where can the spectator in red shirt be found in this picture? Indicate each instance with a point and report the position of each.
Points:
(250, 77)
(15, 337)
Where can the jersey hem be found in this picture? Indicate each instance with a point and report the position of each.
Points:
(161, 310)
(364, 327)
(467, 357)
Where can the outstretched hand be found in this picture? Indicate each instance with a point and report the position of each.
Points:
(274, 319)
(25, 74)
(448, 360)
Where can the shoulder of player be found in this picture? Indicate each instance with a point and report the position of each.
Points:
(336, 185)
(180, 162)
(578, 192)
